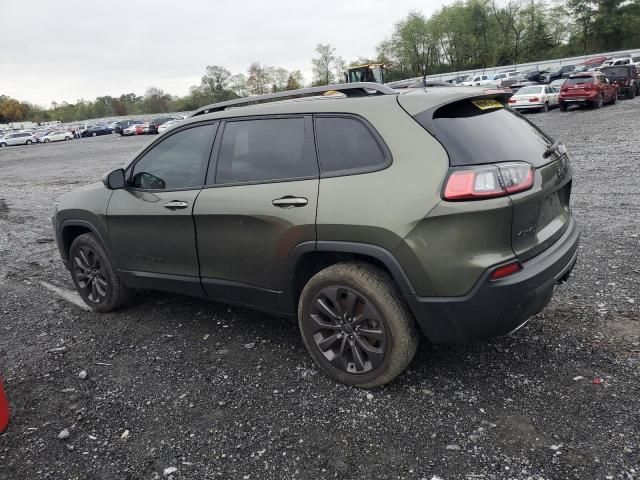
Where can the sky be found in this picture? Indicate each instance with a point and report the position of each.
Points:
(65, 50)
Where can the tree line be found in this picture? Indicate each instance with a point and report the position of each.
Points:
(468, 34)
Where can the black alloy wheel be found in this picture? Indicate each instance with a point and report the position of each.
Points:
(90, 275)
(347, 330)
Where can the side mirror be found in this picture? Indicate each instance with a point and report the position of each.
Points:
(114, 180)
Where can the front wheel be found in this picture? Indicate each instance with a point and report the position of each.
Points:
(356, 326)
(563, 106)
(46, 140)
(28, 142)
(94, 276)
(631, 93)
(545, 107)
(67, 138)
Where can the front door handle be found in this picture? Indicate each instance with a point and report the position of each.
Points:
(176, 204)
(289, 202)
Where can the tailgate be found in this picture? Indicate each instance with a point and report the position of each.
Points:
(480, 135)
(541, 215)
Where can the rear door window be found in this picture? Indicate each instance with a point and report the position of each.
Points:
(346, 146)
(265, 150)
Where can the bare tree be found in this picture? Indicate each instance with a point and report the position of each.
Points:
(323, 64)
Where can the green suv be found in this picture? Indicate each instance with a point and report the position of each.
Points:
(368, 214)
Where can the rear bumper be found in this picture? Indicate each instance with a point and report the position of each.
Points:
(529, 106)
(581, 100)
(494, 308)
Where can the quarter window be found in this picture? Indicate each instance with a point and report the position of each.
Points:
(176, 162)
(265, 150)
(347, 146)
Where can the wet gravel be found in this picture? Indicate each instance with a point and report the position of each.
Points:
(175, 387)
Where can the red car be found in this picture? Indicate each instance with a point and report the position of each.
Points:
(142, 128)
(4, 409)
(587, 88)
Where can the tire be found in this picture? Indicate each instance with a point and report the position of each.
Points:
(67, 138)
(563, 106)
(630, 94)
(3, 144)
(598, 104)
(614, 99)
(93, 134)
(28, 142)
(545, 107)
(94, 276)
(46, 140)
(363, 296)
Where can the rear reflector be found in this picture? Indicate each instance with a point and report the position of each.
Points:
(488, 181)
(505, 270)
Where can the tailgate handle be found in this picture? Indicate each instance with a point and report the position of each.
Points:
(176, 204)
(289, 202)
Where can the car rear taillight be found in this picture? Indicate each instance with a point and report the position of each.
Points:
(534, 99)
(488, 181)
(512, 100)
(505, 270)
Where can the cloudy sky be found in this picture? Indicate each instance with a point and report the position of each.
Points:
(64, 50)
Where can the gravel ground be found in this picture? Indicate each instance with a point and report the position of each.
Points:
(219, 392)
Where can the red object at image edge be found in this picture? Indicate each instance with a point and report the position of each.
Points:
(4, 409)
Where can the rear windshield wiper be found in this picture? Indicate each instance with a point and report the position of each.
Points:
(552, 148)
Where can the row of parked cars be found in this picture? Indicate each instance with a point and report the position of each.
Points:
(69, 132)
(591, 88)
(510, 77)
(139, 127)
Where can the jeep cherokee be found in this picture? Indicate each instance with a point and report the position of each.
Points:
(366, 213)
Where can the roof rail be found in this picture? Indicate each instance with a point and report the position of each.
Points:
(357, 89)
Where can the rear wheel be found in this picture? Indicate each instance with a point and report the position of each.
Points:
(46, 140)
(94, 134)
(28, 142)
(94, 276)
(563, 106)
(3, 144)
(598, 103)
(356, 326)
(631, 93)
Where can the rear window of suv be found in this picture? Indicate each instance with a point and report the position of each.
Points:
(578, 80)
(474, 133)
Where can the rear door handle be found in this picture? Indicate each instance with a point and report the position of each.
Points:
(176, 204)
(289, 202)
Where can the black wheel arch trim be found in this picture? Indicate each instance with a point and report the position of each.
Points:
(379, 253)
(77, 223)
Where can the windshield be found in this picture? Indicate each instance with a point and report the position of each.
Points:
(529, 90)
(578, 80)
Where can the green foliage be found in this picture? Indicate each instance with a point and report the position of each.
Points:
(470, 34)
